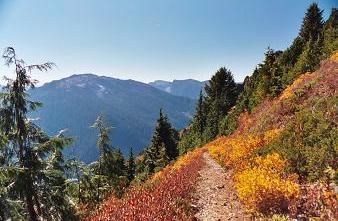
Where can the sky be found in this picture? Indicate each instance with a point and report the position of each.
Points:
(150, 39)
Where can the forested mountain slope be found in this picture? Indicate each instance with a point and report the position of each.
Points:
(276, 140)
(131, 107)
(272, 148)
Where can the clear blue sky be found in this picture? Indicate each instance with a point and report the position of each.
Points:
(149, 39)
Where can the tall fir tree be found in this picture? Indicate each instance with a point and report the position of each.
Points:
(131, 166)
(330, 34)
(221, 95)
(110, 167)
(104, 145)
(166, 134)
(163, 146)
(312, 23)
(34, 166)
(199, 121)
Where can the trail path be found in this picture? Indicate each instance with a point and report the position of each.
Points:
(215, 195)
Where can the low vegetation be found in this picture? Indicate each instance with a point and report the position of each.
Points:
(165, 196)
(277, 137)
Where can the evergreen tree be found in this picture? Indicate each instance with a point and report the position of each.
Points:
(110, 169)
(118, 176)
(164, 133)
(330, 34)
(150, 158)
(312, 23)
(163, 146)
(104, 145)
(162, 158)
(32, 162)
(131, 166)
(199, 121)
(309, 59)
(221, 91)
(221, 95)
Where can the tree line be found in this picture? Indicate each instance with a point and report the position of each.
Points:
(38, 182)
(220, 106)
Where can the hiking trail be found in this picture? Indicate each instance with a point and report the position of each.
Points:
(215, 195)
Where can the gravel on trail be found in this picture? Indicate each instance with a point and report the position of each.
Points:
(215, 195)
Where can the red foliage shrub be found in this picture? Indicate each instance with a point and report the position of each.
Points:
(163, 199)
(317, 200)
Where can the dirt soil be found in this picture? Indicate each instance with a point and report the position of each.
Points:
(215, 196)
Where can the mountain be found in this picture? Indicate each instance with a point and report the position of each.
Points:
(131, 107)
(186, 88)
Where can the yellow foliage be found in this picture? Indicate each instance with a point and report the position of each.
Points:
(334, 57)
(259, 181)
(289, 91)
(234, 152)
(262, 187)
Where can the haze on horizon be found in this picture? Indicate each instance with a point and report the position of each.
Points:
(149, 40)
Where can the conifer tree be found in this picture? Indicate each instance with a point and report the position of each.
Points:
(164, 133)
(330, 34)
(34, 164)
(199, 121)
(221, 95)
(162, 159)
(131, 166)
(163, 146)
(110, 167)
(104, 144)
(150, 158)
(312, 23)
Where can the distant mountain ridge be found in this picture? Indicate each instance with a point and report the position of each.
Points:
(185, 88)
(131, 107)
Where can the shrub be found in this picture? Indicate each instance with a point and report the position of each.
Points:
(263, 188)
(318, 200)
(310, 141)
(164, 196)
(234, 152)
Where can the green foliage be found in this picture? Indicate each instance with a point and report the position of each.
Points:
(221, 95)
(309, 59)
(316, 41)
(312, 23)
(229, 123)
(131, 166)
(163, 147)
(189, 140)
(310, 141)
(330, 34)
(32, 174)
(266, 81)
(200, 118)
(108, 173)
(221, 92)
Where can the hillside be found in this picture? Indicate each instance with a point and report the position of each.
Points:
(266, 149)
(186, 88)
(268, 152)
(131, 107)
(236, 193)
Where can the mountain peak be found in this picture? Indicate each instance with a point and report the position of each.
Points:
(185, 88)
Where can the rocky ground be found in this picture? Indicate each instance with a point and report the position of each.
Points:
(215, 196)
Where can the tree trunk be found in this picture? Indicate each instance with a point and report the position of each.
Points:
(30, 206)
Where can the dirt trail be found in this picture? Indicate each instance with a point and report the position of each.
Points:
(215, 194)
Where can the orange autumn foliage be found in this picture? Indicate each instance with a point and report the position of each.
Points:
(260, 182)
(234, 152)
(263, 186)
(163, 197)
